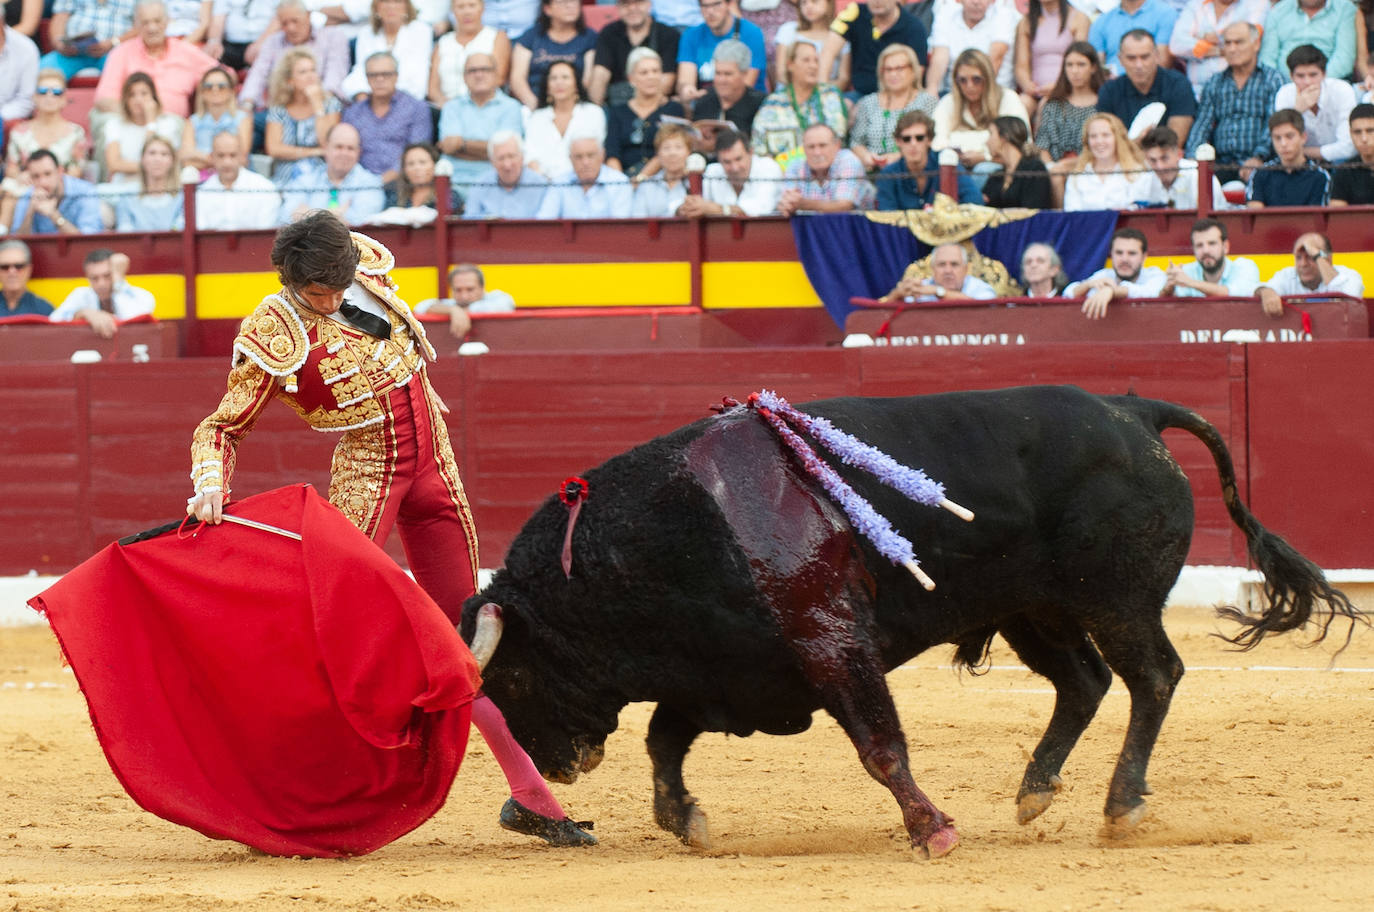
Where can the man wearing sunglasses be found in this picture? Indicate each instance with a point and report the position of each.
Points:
(912, 181)
(16, 268)
(18, 74)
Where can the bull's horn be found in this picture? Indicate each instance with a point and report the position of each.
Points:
(488, 634)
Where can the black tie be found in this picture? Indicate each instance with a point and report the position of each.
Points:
(369, 323)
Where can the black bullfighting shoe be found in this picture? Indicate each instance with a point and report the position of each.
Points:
(566, 832)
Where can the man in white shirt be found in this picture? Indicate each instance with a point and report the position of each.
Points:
(950, 280)
(468, 295)
(1173, 181)
(593, 189)
(738, 183)
(1312, 272)
(1127, 277)
(108, 298)
(18, 74)
(254, 201)
(990, 27)
(1325, 105)
(1213, 274)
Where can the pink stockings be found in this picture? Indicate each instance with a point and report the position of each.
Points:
(526, 785)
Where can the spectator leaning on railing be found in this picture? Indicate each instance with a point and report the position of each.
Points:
(468, 295)
(1127, 277)
(107, 298)
(1213, 273)
(16, 268)
(1312, 272)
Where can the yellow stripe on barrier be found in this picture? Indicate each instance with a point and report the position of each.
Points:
(592, 284)
(756, 284)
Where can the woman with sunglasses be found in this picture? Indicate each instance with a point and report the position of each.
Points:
(631, 127)
(964, 117)
(48, 129)
(215, 112)
(141, 116)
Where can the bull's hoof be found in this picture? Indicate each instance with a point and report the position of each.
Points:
(696, 834)
(941, 842)
(1031, 805)
(684, 820)
(1124, 822)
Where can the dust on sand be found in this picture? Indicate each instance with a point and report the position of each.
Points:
(1258, 778)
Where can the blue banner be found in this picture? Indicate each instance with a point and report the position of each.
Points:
(846, 255)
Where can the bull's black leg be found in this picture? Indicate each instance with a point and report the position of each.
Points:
(670, 738)
(1137, 649)
(854, 691)
(1080, 680)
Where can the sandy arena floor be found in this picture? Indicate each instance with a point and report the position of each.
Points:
(1258, 805)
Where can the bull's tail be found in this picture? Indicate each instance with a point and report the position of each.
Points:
(1294, 587)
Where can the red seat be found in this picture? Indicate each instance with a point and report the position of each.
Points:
(599, 16)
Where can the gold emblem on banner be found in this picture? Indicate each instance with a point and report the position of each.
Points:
(948, 222)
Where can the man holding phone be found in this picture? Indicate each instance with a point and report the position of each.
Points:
(82, 32)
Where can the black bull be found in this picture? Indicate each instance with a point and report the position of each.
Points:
(714, 577)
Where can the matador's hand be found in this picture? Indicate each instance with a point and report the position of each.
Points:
(207, 507)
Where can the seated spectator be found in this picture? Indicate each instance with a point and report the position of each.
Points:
(215, 112)
(16, 268)
(1067, 107)
(55, 202)
(696, 51)
(1236, 103)
(327, 45)
(1153, 17)
(301, 113)
(387, 120)
(1312, 272)
(48, 130)
(341, 185)
(730, 97)
(1145, 82)
(912, 181)
(566, 113)
(1110, 172)
(506, 189)
(963, 117)
(737, 183)
(174, 66)
(393, 29)
(141, 116)
(769, 16)
(871, 137)
(949, 281)
(189, 20)
(18, 74)
(234, 198)
(636, 28)
(468, 121)
(560, 35)
(663, 194)
(1042, 271)
(448, 70)
(1353, 184)
(1212, 274)
(1290, 178)
(107, 298)
(802, 102)
(593, 190)
(1196, 39)
(1024, 181)
(1043, 36)
(826, 178)
(631, 127)
(868, 28)
(1328, 25)
(1173, 178)
(979, 25)
(414, 186)
(468, 295)
(238, 31)
(1325, 105)
(82, 32)
(1127, 277)
(158, 204)
(514, 17)
(812, 25)
(24, 16)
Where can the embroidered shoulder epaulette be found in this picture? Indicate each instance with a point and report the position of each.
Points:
(274, 338)
(375, 263)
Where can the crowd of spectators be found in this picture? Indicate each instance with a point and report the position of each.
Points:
(1044, 105)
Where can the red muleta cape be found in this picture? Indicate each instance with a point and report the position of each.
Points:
(304, 698)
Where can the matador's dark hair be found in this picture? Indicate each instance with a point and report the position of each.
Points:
(316, 249)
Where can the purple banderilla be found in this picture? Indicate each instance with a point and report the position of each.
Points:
(914, 483)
